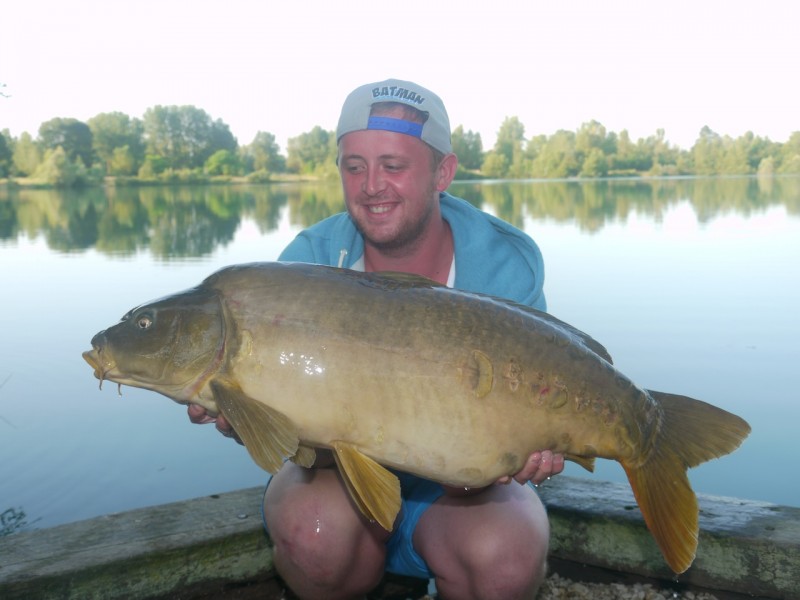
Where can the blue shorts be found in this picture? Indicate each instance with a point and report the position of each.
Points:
(417, 495)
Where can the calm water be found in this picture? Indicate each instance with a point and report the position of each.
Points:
(692, 285)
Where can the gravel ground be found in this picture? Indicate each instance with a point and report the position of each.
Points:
(561, 588)
(555, 587)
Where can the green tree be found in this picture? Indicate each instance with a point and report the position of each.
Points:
(663, 158)
(468, 147)
(223, 162)
(58, 170)
(790, 155)
(595, 164)
(123, 162)
(757, 149)
(6, 154)
(734, 157)
(766, 167)
(495, 165)
(792, 165)
(153, 166)
(313, 152)
(26, 156)
(510, 140)
(707, 152)
(630, 156)
(534, 147)
(72, 135)
(557, 158)
(264, 154)
(113, 131)
(594, 135)
(185, 136)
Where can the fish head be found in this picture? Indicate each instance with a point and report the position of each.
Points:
(173, 346)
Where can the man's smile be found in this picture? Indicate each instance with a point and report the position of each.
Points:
(377, 209)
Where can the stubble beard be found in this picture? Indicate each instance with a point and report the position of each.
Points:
(406, 240)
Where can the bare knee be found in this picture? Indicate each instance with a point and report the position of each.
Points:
(491, 546)
(322, 548)
(304, 552)
(507, 564)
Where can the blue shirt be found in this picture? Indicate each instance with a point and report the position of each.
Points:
(491, 256)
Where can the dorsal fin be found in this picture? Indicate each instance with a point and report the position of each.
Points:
(397, 280)
(576, 334)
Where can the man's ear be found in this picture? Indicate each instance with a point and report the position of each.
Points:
(446, 172)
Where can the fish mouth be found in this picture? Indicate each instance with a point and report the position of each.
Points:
(102, 368)
(106, 369)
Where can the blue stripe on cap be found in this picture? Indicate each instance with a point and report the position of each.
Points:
(396, 125)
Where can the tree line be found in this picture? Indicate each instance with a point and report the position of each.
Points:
(184, 144)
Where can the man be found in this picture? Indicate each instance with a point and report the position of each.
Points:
(395, 162)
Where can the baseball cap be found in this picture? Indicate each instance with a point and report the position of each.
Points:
(355, 112)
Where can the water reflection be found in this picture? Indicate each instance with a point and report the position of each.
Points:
(171, 222)
(593, 204)
(183, 222)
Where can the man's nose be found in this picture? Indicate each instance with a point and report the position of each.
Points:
(374, 183)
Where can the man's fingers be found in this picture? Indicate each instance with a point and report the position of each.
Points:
(227, 430)
(198, 415)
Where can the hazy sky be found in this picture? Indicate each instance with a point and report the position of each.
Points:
(286, 66)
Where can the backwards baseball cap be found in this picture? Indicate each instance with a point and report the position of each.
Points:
(435, 131)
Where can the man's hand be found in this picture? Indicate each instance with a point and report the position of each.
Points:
(199, 416)
(539, 467)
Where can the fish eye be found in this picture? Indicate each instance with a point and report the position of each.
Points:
(144, 322)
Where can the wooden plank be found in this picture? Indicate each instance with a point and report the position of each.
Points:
(142, 553)
(745, 547)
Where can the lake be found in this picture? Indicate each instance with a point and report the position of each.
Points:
(693, 285)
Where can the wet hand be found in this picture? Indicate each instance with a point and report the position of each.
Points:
(539, 467)
(199, 416)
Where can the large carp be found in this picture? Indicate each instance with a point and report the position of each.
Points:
(393, 370)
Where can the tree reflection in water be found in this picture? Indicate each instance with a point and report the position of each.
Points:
(175, 222)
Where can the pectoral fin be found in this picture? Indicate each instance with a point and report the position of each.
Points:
(268, 435)
(586, 462)
(375, 490)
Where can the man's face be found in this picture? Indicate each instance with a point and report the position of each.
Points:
(390, 186)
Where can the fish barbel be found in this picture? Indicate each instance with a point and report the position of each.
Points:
(393, 370)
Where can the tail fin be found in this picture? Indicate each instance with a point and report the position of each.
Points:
(691, 433)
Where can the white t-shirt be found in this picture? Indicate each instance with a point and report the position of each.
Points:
(451, 277)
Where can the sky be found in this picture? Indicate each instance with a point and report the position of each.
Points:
(285, 67)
